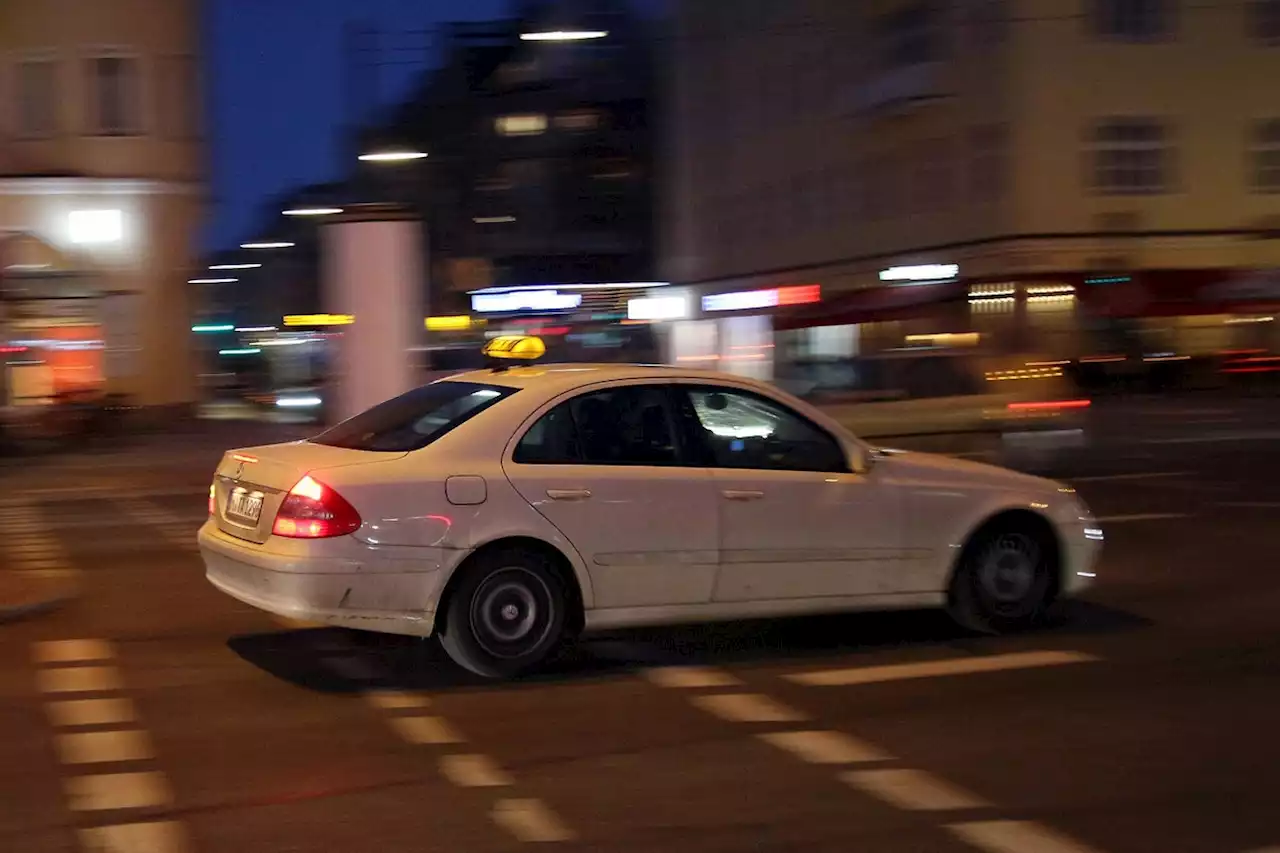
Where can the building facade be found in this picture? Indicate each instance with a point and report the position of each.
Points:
(101, 196)
(1051, 169)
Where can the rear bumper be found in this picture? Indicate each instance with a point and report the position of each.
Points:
(337, 592)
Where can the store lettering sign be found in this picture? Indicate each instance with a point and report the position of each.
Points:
(921, 273)
(525, 300)
(752, 300)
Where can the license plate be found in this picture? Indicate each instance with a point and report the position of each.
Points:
(244, 505)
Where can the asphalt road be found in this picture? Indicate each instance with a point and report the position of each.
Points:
(154, 714)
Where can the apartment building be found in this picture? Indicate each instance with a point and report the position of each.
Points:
(1028, 169)
(101, 195)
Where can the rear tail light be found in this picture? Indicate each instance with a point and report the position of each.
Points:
(213, 499)
(313, 510)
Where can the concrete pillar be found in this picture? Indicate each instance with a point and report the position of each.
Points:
(374, 267)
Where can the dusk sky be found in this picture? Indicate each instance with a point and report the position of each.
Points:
(274, 80)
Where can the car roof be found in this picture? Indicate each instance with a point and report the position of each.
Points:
(556, 378)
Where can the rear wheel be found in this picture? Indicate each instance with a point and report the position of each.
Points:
(506, 616)
(1005, 579)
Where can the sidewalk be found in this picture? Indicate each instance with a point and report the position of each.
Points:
(24, 594)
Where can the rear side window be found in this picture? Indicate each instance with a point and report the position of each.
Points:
(630, 425)
(414, 419)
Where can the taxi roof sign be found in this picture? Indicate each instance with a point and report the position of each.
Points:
(515, 348)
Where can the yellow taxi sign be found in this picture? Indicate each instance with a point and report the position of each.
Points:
(516, 348)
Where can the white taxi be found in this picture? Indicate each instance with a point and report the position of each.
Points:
(508, 509)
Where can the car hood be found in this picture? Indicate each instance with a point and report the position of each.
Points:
(937, 470)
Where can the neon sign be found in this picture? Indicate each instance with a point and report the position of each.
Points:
(922, 272)
(749, 300)
(525, 300)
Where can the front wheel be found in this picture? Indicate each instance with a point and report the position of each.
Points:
(1004, 581)
(506, 616)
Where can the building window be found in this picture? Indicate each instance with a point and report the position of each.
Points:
(115, 108)
(578, 121)
(1130, 156)
(35, 82)
(1264, 21)
(911, 36)
(989, 166)
(1133, 20)
(179, 104)
(1266, 156)
(521, 125)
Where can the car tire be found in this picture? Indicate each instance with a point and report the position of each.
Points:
(1005, 579)
(507, 614)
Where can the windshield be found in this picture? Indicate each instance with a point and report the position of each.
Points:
(415, 419)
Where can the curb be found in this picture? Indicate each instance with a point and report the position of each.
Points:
(34, 604)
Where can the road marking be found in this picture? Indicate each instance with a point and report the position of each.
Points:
(473, 771)
(103, 747)
(118, 791)
(80, 679)
(818, 747)
(90, 712)
(158, 837)
(72, 651)
(391, 700)
(747, 708)
(691, 677)
(1153, 475)
(425, 730)
(1015, 836)
(530, 821)
(1141, 516)
(912, 790)
(936, 668)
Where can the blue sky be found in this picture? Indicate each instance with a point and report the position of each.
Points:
(276, 97)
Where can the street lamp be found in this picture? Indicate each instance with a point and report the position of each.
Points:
(393, 156)
(277, 244)
(564, 35)
(311, 211)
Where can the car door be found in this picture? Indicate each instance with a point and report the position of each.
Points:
(607, 468)
(795, 520)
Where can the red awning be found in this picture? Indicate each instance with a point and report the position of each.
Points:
(874, 304)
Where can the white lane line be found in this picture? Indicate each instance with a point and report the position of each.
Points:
(90, 712)
(819, 747)
(118, 791)
(1141, 516)
(80, 679)
(72, 651)
(937, 668)
(1016, 836)
(912, 790)
(473, 771)
(391, 700)
(103, 747)
(530, 821)
(1153, 475)
(747, 708)
(158, 837)
(691, 677)
(425, 730)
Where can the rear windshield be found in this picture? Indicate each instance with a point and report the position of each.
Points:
(415, 419)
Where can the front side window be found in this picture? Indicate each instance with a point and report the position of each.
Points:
(414, 419)
(630, 425)
(1133, 20)
(1130, 156)
(37, 98)
(743, 430)
(115, 108)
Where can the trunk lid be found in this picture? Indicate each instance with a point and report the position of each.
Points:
(251, 483)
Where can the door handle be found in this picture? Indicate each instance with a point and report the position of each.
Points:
(568, 494)
(742, 494)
